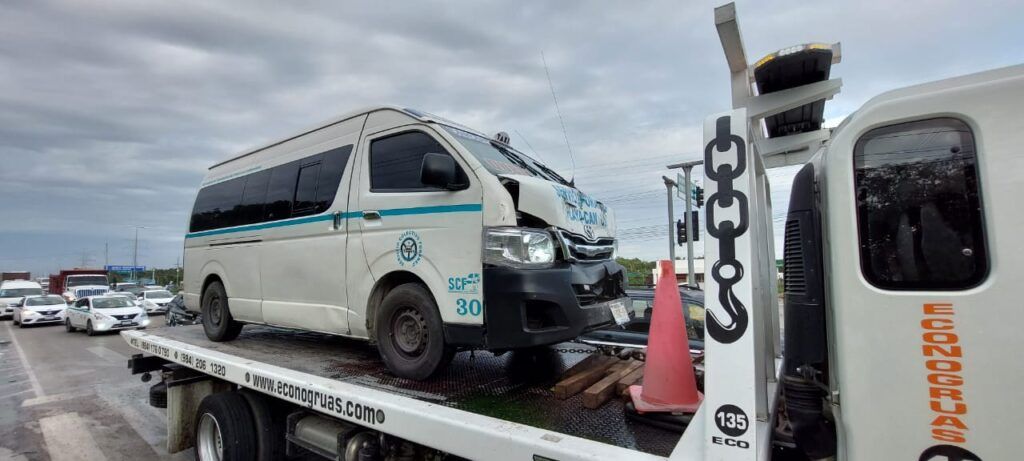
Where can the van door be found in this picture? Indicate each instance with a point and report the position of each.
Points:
(302, 259)
(407, 226)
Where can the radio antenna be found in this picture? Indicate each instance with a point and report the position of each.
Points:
(572, 158)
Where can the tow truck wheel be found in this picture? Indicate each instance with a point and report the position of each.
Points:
(269, 424)
(68, 327)
(224, 429)
(88, 328)
(410, 335)
(217, 321)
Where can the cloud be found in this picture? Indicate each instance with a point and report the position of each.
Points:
(111, 111)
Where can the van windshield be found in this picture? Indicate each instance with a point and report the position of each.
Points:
(501, 159)
(19, 292)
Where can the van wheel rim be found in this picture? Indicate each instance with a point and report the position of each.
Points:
(208, 439)
(409, 332)
(215, 311)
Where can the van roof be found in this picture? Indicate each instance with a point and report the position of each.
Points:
(322, 125)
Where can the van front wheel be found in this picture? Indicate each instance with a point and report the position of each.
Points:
(217, 321)
(410, 334)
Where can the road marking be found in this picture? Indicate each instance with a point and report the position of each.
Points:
(106, 353)
(67, 439)
(14, 394)
(25, 363)
(148, 422)
(53, 398)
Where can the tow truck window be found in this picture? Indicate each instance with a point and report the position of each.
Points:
(919, 212)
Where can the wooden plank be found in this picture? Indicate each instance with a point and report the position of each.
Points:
(630, 379)
(602, 391)
(587, 362)
(572, 385)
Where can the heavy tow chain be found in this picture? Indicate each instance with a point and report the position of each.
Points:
(727, 270)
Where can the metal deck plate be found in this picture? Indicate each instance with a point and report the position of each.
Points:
(513, 387)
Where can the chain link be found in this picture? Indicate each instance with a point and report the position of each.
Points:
(727, 231)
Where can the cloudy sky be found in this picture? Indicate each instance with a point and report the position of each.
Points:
(111, 111)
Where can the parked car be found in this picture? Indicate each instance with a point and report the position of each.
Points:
(155, 301)
(104, 313)
(177, 315)
(634, 333)
(12, 292)
(39, 309)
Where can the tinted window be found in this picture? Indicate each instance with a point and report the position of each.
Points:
(216, 205)
(330, 176)
(281, 192)
(253, 198)
(305, 189)
(395, 161)
(918, 206)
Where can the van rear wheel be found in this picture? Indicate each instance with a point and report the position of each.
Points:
(410, 334)
(217, 321)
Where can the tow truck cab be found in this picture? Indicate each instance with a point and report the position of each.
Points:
(911, 210)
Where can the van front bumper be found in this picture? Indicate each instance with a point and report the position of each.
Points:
(536, 307)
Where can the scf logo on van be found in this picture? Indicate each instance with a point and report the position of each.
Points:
(464, 284)
(409, 249)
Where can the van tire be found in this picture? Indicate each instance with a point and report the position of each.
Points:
(218, 323)
(421, 351)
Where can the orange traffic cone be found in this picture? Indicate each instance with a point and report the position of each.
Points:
(669, 384)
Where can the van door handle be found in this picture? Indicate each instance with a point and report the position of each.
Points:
(371, 214)
(337, 220)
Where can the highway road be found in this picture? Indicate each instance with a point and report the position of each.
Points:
(67, 396)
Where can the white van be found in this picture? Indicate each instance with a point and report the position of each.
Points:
(405, 229)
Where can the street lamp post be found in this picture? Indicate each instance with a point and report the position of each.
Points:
(135, 252)
(669, 184)
(687, 166)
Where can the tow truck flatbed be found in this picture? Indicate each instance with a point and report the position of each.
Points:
(499, 404)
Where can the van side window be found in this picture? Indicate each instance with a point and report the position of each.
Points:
(305, 188)
(919, 211)
(395, 161)
(217, 205)
(253, 198)
(281, 191)
(330, 176)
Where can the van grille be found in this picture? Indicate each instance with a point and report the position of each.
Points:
(793, 259)
(579, 248)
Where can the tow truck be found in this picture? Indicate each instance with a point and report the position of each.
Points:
(900, 308)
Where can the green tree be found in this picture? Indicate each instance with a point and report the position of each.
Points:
(638, 271)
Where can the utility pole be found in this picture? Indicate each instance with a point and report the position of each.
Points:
(687, 166)
(669, 184)
(135, 252)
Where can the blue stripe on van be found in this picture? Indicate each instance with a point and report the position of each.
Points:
(469, 207)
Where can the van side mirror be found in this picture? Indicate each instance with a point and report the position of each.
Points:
(440, 171)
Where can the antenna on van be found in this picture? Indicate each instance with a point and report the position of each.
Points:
(572, 158)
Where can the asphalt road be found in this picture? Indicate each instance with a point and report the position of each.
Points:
(68, 396)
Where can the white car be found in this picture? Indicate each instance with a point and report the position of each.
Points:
(155, 301)
(12, 292)
(126, 295)
(105, 313)
(39, 309)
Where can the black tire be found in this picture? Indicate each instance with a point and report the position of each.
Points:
(68, 327)
(15, 321)
(217, 321)
(232, 419)
(88, 328)
(410, 334)
(270, 428)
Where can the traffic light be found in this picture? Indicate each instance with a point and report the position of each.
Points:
(700, 197)
(680, 231)
(695, 220)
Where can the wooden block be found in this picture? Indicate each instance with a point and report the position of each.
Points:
(572, 385)
(602, 391)
(587, 362)
(617, 366)
(630, 379)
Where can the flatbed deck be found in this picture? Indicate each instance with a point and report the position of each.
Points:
(514, 387)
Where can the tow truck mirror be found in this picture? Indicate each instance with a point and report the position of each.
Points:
(439, 170)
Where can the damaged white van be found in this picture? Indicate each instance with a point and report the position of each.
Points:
(396, 226)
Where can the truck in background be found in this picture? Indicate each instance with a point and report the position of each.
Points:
(73, 284)
(15, 275)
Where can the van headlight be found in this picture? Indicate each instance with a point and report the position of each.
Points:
(518, 247)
